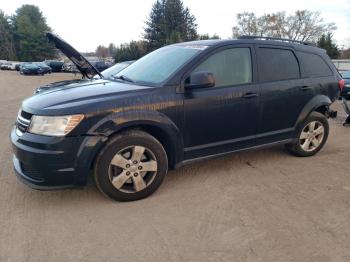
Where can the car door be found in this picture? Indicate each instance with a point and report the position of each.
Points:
(283, 92)
(224, 117)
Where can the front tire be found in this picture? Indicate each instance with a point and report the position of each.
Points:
(311, 136)
(131, 166)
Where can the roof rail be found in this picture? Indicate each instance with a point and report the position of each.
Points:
(276, 39)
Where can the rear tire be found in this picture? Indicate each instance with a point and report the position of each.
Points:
(311, 136)
(131, 166)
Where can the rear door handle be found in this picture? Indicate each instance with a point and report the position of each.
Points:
(250, 95)
(305, 88)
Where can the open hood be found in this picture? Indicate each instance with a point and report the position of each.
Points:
(82, 64)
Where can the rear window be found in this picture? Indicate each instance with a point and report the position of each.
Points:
(277, 64)
(313, 65)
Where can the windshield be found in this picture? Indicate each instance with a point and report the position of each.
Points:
(29, 65)
(41, 64)
(159, 65)
(345, 74)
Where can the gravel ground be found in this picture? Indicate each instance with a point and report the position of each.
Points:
(262, 205)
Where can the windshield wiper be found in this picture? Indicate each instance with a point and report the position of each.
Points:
(124, 78)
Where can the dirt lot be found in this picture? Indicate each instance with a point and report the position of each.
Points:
(254, 206)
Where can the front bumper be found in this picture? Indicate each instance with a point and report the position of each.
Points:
(43, 162)
(35, 183)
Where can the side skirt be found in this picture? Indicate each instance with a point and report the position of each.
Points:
(190, 161)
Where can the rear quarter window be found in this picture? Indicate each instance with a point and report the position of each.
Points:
(277, 64)
(313, 65)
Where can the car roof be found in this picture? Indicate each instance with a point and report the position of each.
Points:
(284, 43)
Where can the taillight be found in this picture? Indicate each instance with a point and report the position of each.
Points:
(341, 84)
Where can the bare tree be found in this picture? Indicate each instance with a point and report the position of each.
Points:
(304, 25)
(102, 51)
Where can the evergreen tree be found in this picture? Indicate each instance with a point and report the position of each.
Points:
(154, 31)
(131, 51)
(169, 22)
(327, 43)
(207, 37)
(7, 49)
(112, 50)
(29, 27)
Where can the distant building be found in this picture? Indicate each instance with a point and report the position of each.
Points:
(342, 64)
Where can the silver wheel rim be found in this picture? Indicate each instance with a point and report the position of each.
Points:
(311, 136)
(133, 169)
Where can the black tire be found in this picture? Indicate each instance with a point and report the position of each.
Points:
(297, 149)
(117, 143)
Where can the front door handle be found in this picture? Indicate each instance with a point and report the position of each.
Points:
(305, 88)
(250, 95)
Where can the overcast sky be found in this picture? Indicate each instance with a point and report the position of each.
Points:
(87, 24)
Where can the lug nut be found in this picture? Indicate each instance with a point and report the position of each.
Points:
(140, 167)
(135, 174)
(135, 162)
(128, 173)
(127, 166)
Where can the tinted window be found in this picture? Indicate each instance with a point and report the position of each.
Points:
(313, 65)
(229, 67)
(159, 65)
(277, 64)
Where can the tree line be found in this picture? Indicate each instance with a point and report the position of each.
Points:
(170, 22)
(22, 35)
(303, 25)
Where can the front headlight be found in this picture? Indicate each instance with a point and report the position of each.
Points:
(54, 125)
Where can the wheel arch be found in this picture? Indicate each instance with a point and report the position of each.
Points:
(319, 103)
(154, 123)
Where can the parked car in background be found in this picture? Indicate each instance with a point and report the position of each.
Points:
(114, 70)
(69, 68)
(101, 65)
(7, 66)
(346, 76)
(178, 104)
(56, 66)
(44, 68)
(109, 73)
(34, 68)
(18, 67)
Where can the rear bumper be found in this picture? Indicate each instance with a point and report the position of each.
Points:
(44, 163)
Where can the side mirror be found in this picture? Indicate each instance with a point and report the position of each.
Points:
(201, 79)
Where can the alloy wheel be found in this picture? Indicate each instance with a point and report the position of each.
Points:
(133, 169)
(311, 137)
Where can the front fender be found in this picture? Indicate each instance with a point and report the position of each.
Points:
(312, 105)
(117, 121)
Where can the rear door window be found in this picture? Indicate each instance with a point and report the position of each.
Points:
(313, 65)
(277, 64)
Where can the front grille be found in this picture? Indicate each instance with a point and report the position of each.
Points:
(26, 115)
(23, 121)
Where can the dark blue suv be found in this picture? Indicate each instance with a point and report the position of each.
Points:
(180, 103)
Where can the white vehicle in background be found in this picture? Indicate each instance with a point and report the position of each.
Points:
(7, 66)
